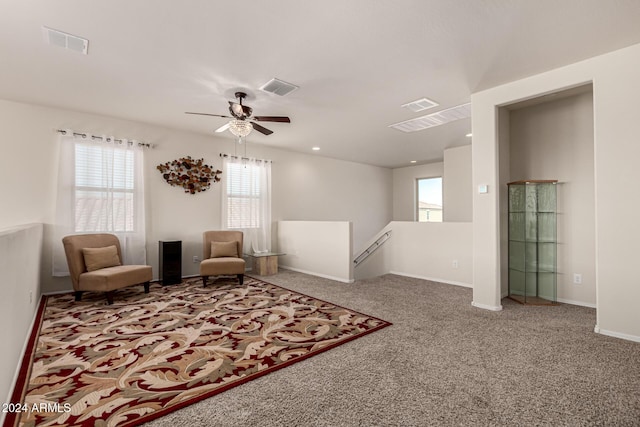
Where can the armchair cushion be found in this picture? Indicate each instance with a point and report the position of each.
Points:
(222, 266)
(111, 278)
(224, 249)
(98, 258)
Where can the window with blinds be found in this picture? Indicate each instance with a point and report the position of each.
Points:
(104, 188)
(243, 196)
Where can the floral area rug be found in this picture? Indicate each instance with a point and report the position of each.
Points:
(92, 364)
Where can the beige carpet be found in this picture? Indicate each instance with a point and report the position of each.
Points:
(443, 362)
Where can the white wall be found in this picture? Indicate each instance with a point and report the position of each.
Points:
(305, 186)
(554, 140)
(312, 188)
(428, 250)
(404, 188)
(20, 256)
(321, 248)
(456, 186)
(616, 109)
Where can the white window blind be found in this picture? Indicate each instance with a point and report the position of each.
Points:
(243, 196)
(246, 201)
(104, 189)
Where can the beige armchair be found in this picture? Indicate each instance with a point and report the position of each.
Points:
(95, 264)
(222, 255)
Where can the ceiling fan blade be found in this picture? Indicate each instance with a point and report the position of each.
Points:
(272, 119)
(263, 130)
(206, 114)
(223, 127)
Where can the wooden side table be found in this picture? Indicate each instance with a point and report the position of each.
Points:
(265, 264)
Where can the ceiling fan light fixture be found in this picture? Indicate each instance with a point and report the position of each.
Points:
(240, 128)
(236, 109)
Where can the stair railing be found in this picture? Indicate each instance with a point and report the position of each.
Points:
(372, 248)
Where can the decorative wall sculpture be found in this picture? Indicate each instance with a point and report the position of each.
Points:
(192, 175)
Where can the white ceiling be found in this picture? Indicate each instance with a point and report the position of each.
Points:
(356, 62)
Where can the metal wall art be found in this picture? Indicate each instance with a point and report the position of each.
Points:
(192, 175)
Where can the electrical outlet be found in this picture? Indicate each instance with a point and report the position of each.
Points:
(577, 278)
(454, 264)
(30, 297)
(196, 258)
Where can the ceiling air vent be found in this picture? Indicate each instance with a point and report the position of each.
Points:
(278, 87)
(65, 40)
(434, 119)
(420, 105)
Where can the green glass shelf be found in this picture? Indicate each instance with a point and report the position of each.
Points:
(532, 240)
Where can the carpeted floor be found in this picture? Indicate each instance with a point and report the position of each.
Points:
(443, 362)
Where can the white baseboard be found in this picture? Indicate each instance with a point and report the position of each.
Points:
(312, 273)
(486, 307)
(580, 303)
(614, 334)
(432, 279)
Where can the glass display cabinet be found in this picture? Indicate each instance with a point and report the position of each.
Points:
(532, 241)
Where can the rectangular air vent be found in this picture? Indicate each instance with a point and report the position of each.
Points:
(65, 40)
(420, 105)
(278, 87)
(434, 119)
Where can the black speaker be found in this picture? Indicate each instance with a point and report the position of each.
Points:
(170, 262)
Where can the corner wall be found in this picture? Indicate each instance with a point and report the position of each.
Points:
(615, 92)
(20, 256)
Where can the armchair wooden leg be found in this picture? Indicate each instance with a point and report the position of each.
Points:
(204, 280)
(78, 295)
(109, 297)
(146, 287)
(241, 278)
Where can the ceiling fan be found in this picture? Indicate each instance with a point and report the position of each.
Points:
(242, 122)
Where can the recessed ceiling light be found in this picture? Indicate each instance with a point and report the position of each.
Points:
(469, 135)
(413, 161)
(316, 148)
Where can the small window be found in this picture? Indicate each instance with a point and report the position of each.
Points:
(429, 204)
